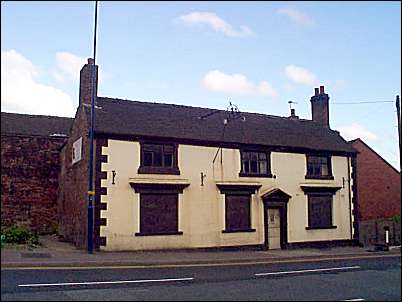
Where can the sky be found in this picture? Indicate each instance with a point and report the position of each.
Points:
(256, 55)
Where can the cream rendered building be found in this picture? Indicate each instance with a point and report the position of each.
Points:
(201, 205)
(177, 177)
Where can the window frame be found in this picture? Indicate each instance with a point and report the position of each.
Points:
(329, 166)
(147, 231)
(229, 224)
(313, 225)
(267, 153)
(146, 169)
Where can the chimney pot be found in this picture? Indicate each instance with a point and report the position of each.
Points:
(316, 91)
(91, 61)
(322, 90)
(293, 114)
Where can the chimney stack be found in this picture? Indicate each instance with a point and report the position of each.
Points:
(86, 82)
(293, 114)
(320, 107)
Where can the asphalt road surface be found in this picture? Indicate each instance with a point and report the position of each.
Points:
(365, 279)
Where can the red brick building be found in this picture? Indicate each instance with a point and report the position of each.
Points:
(30, 165)
(378, 189)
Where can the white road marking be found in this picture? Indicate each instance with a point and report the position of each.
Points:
(104, 282)
(309, 270)
(210, 264)
(358, 299)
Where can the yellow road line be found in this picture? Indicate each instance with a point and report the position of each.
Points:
(192, 264)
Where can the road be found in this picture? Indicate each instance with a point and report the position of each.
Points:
(361, 279)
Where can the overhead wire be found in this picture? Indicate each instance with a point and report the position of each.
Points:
(364, 102)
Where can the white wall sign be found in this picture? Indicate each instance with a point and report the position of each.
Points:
(76, 153)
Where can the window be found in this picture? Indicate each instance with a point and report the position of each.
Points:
(237, 213)
(76, 151)
(158, 214)
(319, 167)
(255, 164)
(320, 211)
(158, 159)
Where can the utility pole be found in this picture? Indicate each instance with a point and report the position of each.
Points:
(91, 191)
(398, 115)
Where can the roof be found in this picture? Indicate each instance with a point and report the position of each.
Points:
(134, 118)
(356, 141)
(36, 125)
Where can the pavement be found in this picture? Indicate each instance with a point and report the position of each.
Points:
(54, 253)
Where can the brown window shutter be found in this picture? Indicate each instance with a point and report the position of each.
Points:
(237, 212)
(158, 213)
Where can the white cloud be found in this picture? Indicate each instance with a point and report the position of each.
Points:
(356, 130)
(21, 93)
(300, 75)
(216, 23)
(296, 16)
(237, 84)
(69, 66)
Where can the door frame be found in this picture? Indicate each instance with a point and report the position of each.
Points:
(277, 199)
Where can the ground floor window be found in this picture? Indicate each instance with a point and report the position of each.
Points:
(320, 211)
(237, 213)
(158, 214)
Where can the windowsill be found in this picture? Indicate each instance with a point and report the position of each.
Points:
(244, 174)
(321, 227)
(158, 170)
(238, 231)
(319, 177)
(159, 234)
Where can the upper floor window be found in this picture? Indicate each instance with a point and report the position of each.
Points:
(159, 158)
(319, 167)
(255, 164)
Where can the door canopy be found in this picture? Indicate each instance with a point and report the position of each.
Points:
(276, 194)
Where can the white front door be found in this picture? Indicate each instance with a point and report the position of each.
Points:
(274, 229)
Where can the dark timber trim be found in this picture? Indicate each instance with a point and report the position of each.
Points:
(239, 231)
(99, 206)
(158, 188)
(240, 189)
(317, 190)
(321, 227)
(321, 244)
(218, 144)
(355, 198)
(158, 234)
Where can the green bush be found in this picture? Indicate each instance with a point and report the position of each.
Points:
(396, 219)
(19, 234)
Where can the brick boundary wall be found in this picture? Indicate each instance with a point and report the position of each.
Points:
(30, 167)
(373, 231)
